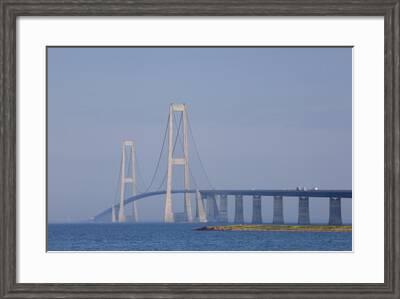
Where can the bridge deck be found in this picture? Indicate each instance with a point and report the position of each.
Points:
(251, 192)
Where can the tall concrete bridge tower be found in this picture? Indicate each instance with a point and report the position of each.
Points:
(127, 176)
(178, 161)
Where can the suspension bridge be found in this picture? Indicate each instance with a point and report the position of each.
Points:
(211, 204)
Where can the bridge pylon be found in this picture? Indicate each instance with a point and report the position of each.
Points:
(128, 176)
(182, 161)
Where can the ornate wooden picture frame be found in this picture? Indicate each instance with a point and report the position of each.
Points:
(10, 10)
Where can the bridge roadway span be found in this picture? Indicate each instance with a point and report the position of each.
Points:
(284, 193)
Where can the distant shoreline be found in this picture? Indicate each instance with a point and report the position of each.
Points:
(278, 228)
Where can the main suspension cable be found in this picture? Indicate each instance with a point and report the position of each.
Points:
(198, 155)
(159, 157)
(139, 176)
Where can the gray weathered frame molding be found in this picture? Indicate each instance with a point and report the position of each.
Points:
(10, 10)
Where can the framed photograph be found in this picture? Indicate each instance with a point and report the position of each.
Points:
(199, 150)
(183, 195)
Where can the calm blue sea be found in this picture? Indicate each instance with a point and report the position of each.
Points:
(182, 237)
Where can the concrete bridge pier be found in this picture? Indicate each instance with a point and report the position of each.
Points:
(335, 211)
(257, 215)
(135, 217)
(113, 214)
(278, 210)
(200, 208)
(197, 206)
(304, 211)
(212, 208)
(239, 217)
(223, 208)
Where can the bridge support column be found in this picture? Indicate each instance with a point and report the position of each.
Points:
(114, 215)
(200, 208)
(223, 208)
(239, 217)
(335, 211)
(212, 208)
(304, 211)
(278, 210)
(135, 217)
(257, 214)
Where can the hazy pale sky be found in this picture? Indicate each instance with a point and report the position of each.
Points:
(262, 118)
